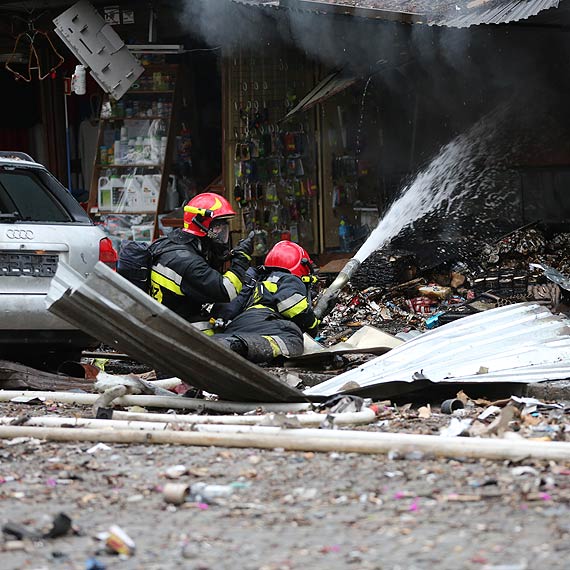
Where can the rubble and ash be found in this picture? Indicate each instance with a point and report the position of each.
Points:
(398, 290)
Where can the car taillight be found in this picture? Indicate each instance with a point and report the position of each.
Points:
(107, 253)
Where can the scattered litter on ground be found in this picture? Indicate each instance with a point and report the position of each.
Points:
(336, 502)
(117, 541)
(60, 525)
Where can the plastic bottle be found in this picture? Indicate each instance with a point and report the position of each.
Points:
(117, 152)
(117, 192)
(343, 235)
(205, 493)
(163, 142)
(103, 155)
(79, 80)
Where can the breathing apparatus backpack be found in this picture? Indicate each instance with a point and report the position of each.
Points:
(135, 263)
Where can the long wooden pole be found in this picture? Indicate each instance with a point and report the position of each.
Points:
(374, 443)
(240, 424)
(365, 416)
(174, 402)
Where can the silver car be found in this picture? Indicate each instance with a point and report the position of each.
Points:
(40, 224)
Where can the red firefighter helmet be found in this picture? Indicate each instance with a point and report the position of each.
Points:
(290, 256)
(202, 210)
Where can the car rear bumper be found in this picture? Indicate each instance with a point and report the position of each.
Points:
(23, 312)
(24, 319)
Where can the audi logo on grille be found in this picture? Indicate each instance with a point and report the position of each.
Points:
(20, 234)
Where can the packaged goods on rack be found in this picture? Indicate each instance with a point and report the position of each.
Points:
(133, 172)
(120, 227)
(274, 188)
(274, 162)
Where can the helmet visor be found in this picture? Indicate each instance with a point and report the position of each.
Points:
(219, 231)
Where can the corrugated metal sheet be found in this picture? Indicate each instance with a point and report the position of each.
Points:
(376, 9)
(258, 3)
(500, 13)
(518, 343)
(111, 309)
(449, 13)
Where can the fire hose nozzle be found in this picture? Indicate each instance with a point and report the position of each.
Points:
(325, 304)
(328, 300)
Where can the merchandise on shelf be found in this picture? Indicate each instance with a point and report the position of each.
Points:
(137, 143)
(274, 188)
(127, 227)
(133, 173)
(129, 192)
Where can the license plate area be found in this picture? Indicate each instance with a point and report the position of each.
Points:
(27, 264)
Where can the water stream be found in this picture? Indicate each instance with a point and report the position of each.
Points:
(465, 169)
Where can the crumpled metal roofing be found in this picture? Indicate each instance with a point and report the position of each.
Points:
(519, 343)
(450, 13)
(499, 13)
(109, 308)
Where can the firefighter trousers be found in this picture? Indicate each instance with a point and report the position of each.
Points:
(265, 334)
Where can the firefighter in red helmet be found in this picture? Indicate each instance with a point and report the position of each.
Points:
(277, 310)
(184, 275)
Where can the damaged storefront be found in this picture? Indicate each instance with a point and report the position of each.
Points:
(466, 175)
(271, 163)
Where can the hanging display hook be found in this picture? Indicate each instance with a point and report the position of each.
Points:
(31, 37)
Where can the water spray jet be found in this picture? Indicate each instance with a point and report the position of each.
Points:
(461, 170)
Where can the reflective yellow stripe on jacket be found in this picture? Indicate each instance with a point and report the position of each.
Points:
(293, 306)
(163, 277)
(233, 284)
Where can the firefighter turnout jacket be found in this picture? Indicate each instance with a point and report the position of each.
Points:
(276, 314)
(287, 296)
(182, 280)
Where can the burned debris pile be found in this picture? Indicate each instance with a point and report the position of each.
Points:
(399, 291)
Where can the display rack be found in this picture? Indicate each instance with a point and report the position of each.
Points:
(273, 166)
(135, 149)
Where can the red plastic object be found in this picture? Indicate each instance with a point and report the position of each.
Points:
(107, 253)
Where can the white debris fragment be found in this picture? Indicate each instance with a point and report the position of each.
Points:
(22, 440)
(27, 399)
(487, 412)
(98, 447)
(456, 427)
(175, 471)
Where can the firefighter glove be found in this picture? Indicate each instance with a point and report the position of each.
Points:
(244, 247)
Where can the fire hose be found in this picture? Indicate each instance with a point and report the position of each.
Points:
(328, 299)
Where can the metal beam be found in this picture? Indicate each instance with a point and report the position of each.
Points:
(111, 309)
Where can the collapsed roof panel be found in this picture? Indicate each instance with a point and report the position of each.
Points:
(449, 13)
(493, 12)
(507, 344)
(109, 308)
